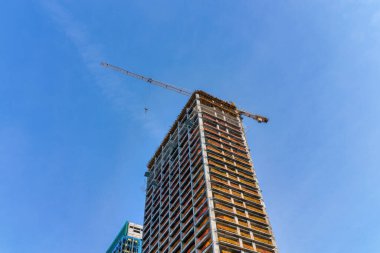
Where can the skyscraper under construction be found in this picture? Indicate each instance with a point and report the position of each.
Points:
(202, 193)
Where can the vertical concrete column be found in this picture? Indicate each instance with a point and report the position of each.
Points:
(255, 177)
(214, 235)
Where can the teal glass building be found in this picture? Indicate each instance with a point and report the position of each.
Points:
(129, 239)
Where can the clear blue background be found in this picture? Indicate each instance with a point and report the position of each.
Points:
(74, 138)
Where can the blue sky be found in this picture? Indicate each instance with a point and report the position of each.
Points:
(74, 138)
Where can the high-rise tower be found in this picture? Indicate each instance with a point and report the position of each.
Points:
(128, 239)
(202, 193)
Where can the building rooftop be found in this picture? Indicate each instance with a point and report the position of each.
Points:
(220, 102)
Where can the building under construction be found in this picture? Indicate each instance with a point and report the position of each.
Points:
(202, 193)
(128, 240)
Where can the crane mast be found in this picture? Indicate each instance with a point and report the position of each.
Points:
(258, 118)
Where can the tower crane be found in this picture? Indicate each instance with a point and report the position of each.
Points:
(258, 118)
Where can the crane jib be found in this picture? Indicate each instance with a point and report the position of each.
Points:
(258, 118)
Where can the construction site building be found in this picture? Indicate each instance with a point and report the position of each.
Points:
(129, 239)
(202, 193)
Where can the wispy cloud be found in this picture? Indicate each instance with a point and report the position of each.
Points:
(92, 54)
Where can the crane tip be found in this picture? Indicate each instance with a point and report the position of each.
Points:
(261, 119)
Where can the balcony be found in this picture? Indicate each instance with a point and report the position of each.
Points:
(211, 116)
(199, 193)
(185, 167)
(219, 180)
(185, 230)
(185, 189)
(187, 210)
(220, 188)
(195, 150)
(243, 222)
(221, 197)
(224, 207)
(245, 234)
(255, 209)
(259, 219)
(263, 240)
(164, 246)
(174, 208)
(248, 245)
(225, 228)
(187, 217)
(189, 247)
(194, 136)
(243, 168)
(199, 184)
(217, 163)
(164, 236)
(174, 219)
(174, 234)
(202, 234)
(218, 172)
(237, 153)
(205, 245)
(201, 216)
(200, 223)
(200, 203)
(254, 200)
(201, 212)
(236, 193)
(229, 250)
(224, 217)
(226, 143)
(229, 240)
(249, 184)
(247, 174)
(263, 250)
(240, 212)
(174, 246)
(261, 229)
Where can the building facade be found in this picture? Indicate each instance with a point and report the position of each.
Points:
(202, 192)
(129, 239)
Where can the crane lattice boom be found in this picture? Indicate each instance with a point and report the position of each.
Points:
(258, 118)
(146, 79)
